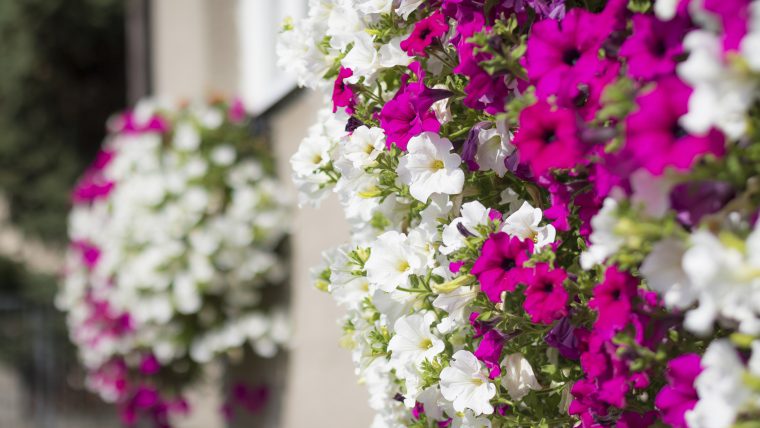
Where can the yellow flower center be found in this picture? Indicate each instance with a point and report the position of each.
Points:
(436, 165)
(426, 344)
(403, 266)
(317, 159)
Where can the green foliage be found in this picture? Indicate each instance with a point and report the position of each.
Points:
(61, 75)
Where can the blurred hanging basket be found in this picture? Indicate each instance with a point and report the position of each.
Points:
(177, 255)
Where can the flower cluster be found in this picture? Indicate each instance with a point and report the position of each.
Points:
(176, 256)
(553, 205)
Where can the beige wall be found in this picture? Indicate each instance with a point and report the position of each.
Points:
(194, 54)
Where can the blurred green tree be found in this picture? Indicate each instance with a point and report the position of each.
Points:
(62, 74)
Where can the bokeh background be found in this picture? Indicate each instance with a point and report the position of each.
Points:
(65, 66)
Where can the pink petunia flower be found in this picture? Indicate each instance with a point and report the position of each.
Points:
(548, 138)
(612, 300)
(656, 139)
(343, 95)
(408, 114)
(546, 297)
(679, 395)
(500, 265)
(734, 18)
(654, 46)
(425, 32)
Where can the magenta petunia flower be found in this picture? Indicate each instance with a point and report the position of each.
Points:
(656, 139)
(654, 46)
(612, 300)
(489, 352)
(559, 51)
(128, 123)
(425, 32)
(343, 95)
(679, 395)
(546, 297)
(484, 91)
(500, 265)
(636, 420)
(548, 138)
(613, 391)
(734, 17)
(236, 111)
(90, 253)
(408, 114)
(93, 185)
(149, 365)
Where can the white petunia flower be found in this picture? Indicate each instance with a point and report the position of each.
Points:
(494, 145)
(407, 7)
(223, 155)
(720, 387)
(430, 167)
(375, 6)
(391, 54)
(392, 260)
(455, 234)
(724, 274)
(511, 199)
(455, 303)
(604, 241)
(651, 194)
(312, 154)
(344, 24)
(722, 93)
(750, 45)
(666, 9)
(413, 342)
(186, 137)
(466, 384)
(524, 224)
(518, 377)
(468, 419)
(361, 149)
(363, 59)
(663, 270)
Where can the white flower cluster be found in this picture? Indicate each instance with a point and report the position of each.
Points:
(184, 251)
(725, 86)
(371, 277)
(719, 272)
(723, 386)
(403, 352)
(338, 27)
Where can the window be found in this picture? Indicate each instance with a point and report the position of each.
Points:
(262, 83)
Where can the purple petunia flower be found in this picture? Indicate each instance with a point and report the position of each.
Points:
(696, 199)
(562, 336)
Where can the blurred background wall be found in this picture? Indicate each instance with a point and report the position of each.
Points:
(227, 46)
(66, 65)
